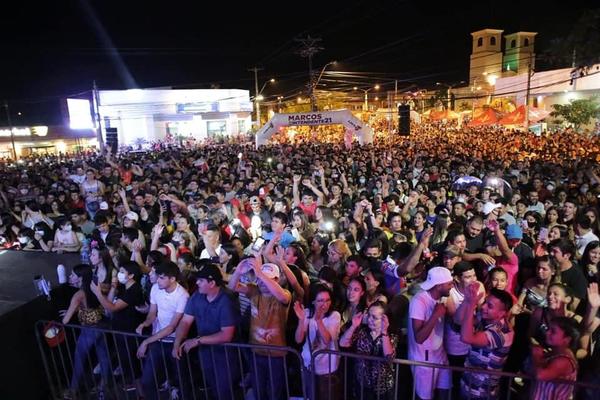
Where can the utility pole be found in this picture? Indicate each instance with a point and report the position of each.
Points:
(96, 101)
(12, 136)
(309, 49)
(256, 101)
(529, 73)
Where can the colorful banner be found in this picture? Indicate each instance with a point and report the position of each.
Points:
(444, 114)
(484, 116)
(518, 116)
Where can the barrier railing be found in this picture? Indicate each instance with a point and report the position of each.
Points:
(90, 362)
(354, 385)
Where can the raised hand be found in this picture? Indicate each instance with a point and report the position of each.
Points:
(385, 324)
(593, 295)
(300, 311)
(357, 319)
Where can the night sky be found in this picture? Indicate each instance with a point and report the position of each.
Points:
(52, 49)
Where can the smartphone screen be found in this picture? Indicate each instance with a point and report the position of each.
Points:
(258, 244)
(543, 234)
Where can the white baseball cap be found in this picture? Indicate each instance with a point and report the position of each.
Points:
(489, 207)
(132, 216)
(270, 270)
(436, 276)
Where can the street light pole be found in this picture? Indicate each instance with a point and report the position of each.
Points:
(12, 136)
(314, 84)
(256, 103)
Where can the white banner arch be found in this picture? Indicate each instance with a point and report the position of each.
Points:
(362, 131)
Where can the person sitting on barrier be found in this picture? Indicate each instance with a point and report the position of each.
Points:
(426, 334)
(216, 311)
(490, 337)
(559, 363)
(375, 378)
(319, 329)
(167, 304)
(269, 310)
(89, 313)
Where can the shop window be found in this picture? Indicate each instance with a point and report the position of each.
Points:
(479, 42)
(493, 41)
(241, 126)
(216, 128)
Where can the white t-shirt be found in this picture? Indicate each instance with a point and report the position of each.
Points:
(324, 364)
(219, 250)
(452, 342)
(168, 304)
(432, 349)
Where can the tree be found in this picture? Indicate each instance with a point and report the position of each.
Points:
(581, 46)
(577, 112)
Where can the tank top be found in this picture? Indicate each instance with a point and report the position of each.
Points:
(545, 390)
(534, 299)
(92, 190)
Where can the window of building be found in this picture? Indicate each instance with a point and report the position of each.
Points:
(479, 42)
(241, 126)
(513, 44)
(492, 41)
(214, 128)
(526, 42)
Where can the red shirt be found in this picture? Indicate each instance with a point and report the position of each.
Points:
(308, 210)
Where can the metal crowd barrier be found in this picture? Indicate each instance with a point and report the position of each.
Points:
(90, 363)
(103, 364)
(350, 383)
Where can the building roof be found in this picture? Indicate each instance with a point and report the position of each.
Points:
(487, 30)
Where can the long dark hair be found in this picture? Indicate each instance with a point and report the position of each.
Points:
(314, 292)
(85, 272)
(362, 303)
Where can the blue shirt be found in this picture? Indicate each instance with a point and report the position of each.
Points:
(211, 316)
(286, 238)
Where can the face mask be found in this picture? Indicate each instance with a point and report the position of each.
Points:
(23, 240)
(583, 190)
(122, 277)
(550, 188)
(362, 181)
(24, 191)
(68, 228)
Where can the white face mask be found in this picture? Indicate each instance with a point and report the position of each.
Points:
(68, 228)
(122, 277)
(23, 240)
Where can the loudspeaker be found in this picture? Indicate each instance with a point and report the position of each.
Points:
(403, 120)
(112, 139)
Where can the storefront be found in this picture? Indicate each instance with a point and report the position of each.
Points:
(145, 116)
(45, 140)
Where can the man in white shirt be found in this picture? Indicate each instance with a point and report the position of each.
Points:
(583, 234)
(167, 304)
(426, 333)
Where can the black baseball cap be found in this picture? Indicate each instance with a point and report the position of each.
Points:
(210, 272)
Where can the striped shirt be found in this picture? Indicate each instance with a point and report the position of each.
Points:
(489, 358)
(548, 390)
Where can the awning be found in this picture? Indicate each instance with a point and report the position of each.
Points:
(518, 116)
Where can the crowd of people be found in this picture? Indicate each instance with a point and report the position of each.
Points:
(382, 250)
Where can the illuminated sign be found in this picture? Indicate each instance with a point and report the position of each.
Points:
(80, 114)
(34, 130)
(197, 107)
